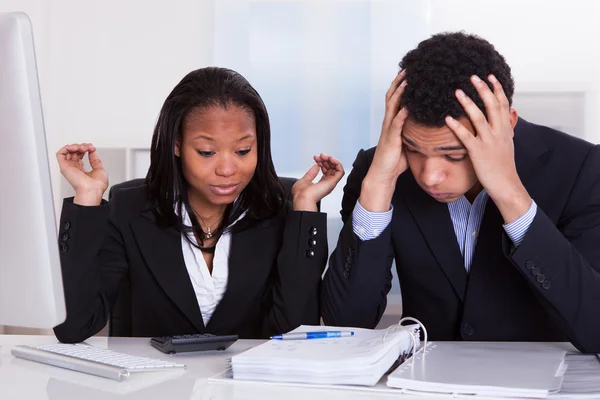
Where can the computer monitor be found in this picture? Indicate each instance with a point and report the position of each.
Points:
(31, 288)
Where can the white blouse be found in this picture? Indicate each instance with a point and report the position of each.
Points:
(209, 288)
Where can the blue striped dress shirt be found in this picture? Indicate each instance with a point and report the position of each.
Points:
(466, 219)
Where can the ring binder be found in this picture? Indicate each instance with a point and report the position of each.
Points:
(482, 368)
(361, 359)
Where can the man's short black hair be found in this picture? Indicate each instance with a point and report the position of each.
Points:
(443, 63)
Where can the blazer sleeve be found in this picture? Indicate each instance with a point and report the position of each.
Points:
(93, 264)
(359, 276)
(562, 262)
(293, 299)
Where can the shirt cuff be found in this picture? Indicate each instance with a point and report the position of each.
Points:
(517, 229)
(368, 225)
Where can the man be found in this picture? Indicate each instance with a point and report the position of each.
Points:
(494, 222)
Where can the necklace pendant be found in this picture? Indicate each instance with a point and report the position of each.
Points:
(208, 234)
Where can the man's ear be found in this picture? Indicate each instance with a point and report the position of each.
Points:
(177, 149)
(514, 117)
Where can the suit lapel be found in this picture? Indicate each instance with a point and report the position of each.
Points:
(529, 151)
(161, 249)
(433, 219)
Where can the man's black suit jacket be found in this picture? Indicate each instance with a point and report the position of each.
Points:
(547, 289)
(275, 271)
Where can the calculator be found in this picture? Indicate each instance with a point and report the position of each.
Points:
(194, 342)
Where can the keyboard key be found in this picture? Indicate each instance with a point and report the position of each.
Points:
(96, 361)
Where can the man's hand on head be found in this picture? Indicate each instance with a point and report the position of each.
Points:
(389, 160)
(492, 149)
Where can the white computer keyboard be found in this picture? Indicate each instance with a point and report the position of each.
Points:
(92, 360)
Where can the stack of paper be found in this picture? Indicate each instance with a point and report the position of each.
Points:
(361, 359)
(487, 369)
(582, 378)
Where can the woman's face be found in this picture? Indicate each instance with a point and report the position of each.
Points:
(218, 152)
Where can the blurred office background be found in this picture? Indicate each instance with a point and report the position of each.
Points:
(321, 66)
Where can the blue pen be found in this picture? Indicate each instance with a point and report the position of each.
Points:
(312, 335)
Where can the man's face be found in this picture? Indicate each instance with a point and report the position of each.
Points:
(438, 160)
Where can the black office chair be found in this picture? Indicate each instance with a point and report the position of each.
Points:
(120, 315)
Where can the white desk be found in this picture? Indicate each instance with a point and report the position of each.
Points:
(22, 379)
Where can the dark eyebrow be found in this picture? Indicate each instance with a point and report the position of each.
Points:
(204, 137)
(245, 137)
(410, 142)
(450, 148)
(249, 136)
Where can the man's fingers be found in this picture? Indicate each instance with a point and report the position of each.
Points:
(474, 113)
(492, 106)
(398, 121)
(393, 105)
(463, 134)
(395, 83)
(500, 95)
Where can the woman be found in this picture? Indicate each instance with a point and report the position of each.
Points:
(209, 242)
